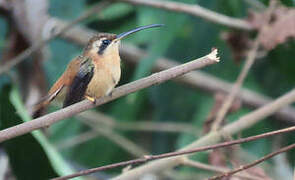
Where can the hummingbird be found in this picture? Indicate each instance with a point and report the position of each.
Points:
(93, 74)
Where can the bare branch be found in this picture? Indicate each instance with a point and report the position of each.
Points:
(229, 173)
(25, 54)
(242, 123)
(103, 129)
(121, 141)
(243, 74)
(171, 154)
(153, 79)
(75, 140)
(199, 165)
(236, 87)
(101, 119)
(148, 126)
(194, 10)
(195, 79)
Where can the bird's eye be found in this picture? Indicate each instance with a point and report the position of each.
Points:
(106, 42)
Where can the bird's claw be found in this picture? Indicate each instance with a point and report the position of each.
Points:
(92, 99)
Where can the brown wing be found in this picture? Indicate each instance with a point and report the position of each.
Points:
(76, 90)
(64, 81)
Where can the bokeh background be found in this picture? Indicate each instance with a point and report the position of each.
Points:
(155, 120)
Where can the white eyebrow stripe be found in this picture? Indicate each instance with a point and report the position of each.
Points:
(98, 42)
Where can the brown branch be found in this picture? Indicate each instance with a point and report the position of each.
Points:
(104, 131)
(153, 79)
(243, 74)
(236, 87)
(199, 165)
(209, 83)
(25, 54)
(194, 10)
(173, 154)
(101, 119)
(195, 79)
(148, 126)
(229, 173)
(121, 141)
(75, 140)
(242, 123)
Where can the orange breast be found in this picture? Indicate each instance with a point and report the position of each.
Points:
(106, 76)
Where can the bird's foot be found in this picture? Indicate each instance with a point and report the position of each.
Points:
(92, 99)
(110, 94)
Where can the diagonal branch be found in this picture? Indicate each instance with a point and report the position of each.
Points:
(229, 173)
(25, 54)
(194, 10)
(199, 165)
(101, 119)
(76, 140)
(153, 79)
(236, 87)
(195, 79)
(172, 154)
(243, 74)
(116, 138)
(213, 137)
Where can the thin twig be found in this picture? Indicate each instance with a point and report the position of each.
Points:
(157, 127)
(236, 87)
(242, 123)
(209, 83)
(194, 10)
(25, 54)
(194, 79)
(107, 132)
(243, 74)
(78, 139)
(173, 154)
(153, 79)
(229, 173)
(123, 142)
(104, 120)
(148, 126)
(199, 165)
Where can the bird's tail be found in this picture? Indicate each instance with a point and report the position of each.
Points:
(39, 108)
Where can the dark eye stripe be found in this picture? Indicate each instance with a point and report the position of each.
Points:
(104, 45)
(106, 42)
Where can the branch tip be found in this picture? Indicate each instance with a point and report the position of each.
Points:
(213, 55)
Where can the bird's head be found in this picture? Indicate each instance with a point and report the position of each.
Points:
(105, 44)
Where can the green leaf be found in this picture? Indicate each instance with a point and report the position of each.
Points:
(116, 10)
(203, 106)
(173, 103)
(63, 9)
(27, 158)
(40, 141)
(278, 66)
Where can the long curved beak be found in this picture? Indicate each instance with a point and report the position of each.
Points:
(124, 34)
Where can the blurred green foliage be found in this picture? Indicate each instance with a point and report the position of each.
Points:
(20, 150)
(183, 38)
(24, 151)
